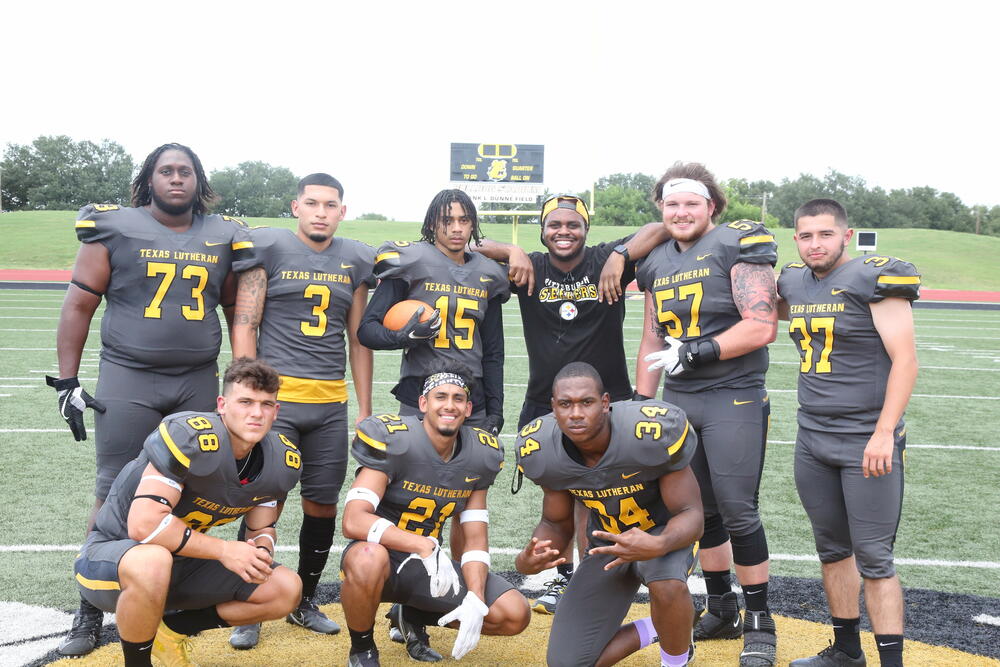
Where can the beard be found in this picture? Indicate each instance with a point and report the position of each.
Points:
(171, 209)
(316, 237)
(826, 265)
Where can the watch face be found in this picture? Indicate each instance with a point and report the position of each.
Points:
(621, 250)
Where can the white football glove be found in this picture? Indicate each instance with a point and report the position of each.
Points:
(669, 358)
(440, 569)
(470, 615)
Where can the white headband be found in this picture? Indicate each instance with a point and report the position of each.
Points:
(684, 185)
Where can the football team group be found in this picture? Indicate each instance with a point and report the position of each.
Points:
(636, 490)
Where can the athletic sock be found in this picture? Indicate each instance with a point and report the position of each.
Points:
(192, 621)
(755, 597)
(667, 660)
(138, 654)
(416, 616)
(362, 641)
(647, 633)
(847, 635)
(890, 650)
(566, 570)
(315, 538)
(718, 582)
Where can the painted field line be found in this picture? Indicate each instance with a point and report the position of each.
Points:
(987, 619)
(971, 448)
(509, 551)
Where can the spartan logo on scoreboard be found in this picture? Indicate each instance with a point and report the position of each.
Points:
(497, 163)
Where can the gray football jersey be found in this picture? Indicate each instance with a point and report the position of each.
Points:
(648, 440)
(165, 285)
(693, 295)
(308, 296)
(423, 490)
(460, 292)
(844, 366)
(193, 449)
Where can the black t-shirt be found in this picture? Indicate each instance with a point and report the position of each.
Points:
(564, 322)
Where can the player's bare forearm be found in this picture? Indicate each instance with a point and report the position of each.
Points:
(648, 237)
(251, 291)
(77, 313)
(495, 250)
(361, 358)
(476, 539)
(647, 382)
(893, 319)
(783, 310)
(682, 496)
(756, 299)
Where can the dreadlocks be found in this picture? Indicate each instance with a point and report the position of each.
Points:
(438, 209)
(141, 195)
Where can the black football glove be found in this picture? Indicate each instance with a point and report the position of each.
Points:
(493, 424)
(72, 402)
(636, 396)
(416, 331)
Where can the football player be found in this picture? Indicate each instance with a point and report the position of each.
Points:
(148, 549)
(164, 267)
(853, 324)
(413, 475)
(710, 290)
(311, 289)
(628, 463)
(564, 319)
(465, 289)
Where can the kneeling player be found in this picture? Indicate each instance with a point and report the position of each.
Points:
(628, 463)
(415, 474)
(148, 551)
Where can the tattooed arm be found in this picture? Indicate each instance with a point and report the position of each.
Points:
(755, 298)
(250, 294)
(647, 383)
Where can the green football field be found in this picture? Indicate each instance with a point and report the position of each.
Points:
(948, 540)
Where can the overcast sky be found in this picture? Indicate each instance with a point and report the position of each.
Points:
(902, 94)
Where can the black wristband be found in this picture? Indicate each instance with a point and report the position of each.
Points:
(269, 552)
(184, 540)
(636, 396)
(699, 353)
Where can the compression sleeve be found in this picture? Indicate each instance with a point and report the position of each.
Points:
(492, 339)
(371, 333)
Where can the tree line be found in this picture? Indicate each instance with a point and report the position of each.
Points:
(56, 173)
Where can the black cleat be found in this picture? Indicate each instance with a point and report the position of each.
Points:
(721, 620)
(418, 643)
(245, 637)
(85, 633)
(831, 656)
(760, 643)
(308, 616)
(367, 658)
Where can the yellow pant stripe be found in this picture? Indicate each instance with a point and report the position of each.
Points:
(97, 584)
(305, 390)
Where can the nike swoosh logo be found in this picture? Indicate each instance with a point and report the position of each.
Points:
(346, 266)
(471, 479)
(701, 257)
(887, 644)
(212, 243)
(735, 402)
(624, 476)
(256, 498)
(484, 279)
(750, 592)
(835, 292)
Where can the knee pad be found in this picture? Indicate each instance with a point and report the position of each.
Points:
(715, 532)
(751, 549)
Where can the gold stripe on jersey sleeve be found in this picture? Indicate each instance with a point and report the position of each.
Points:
(85, 223)
(899, 280)
(172, 446)
(763, 238)
(672, 449)
(370, 441)
(240, 245)
(98, 584)
(392, 254)
(304, 390)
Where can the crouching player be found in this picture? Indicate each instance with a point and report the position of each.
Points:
(414, 475)
(628, 463)
(148, 549)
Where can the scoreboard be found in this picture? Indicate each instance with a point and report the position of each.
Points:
(497, 163)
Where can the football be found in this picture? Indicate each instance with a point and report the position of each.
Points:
(400, 313)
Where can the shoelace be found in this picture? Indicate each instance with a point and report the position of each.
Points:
(87, 625)
(555, 586)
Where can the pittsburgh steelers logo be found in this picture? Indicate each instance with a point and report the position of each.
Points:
(568, 310)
